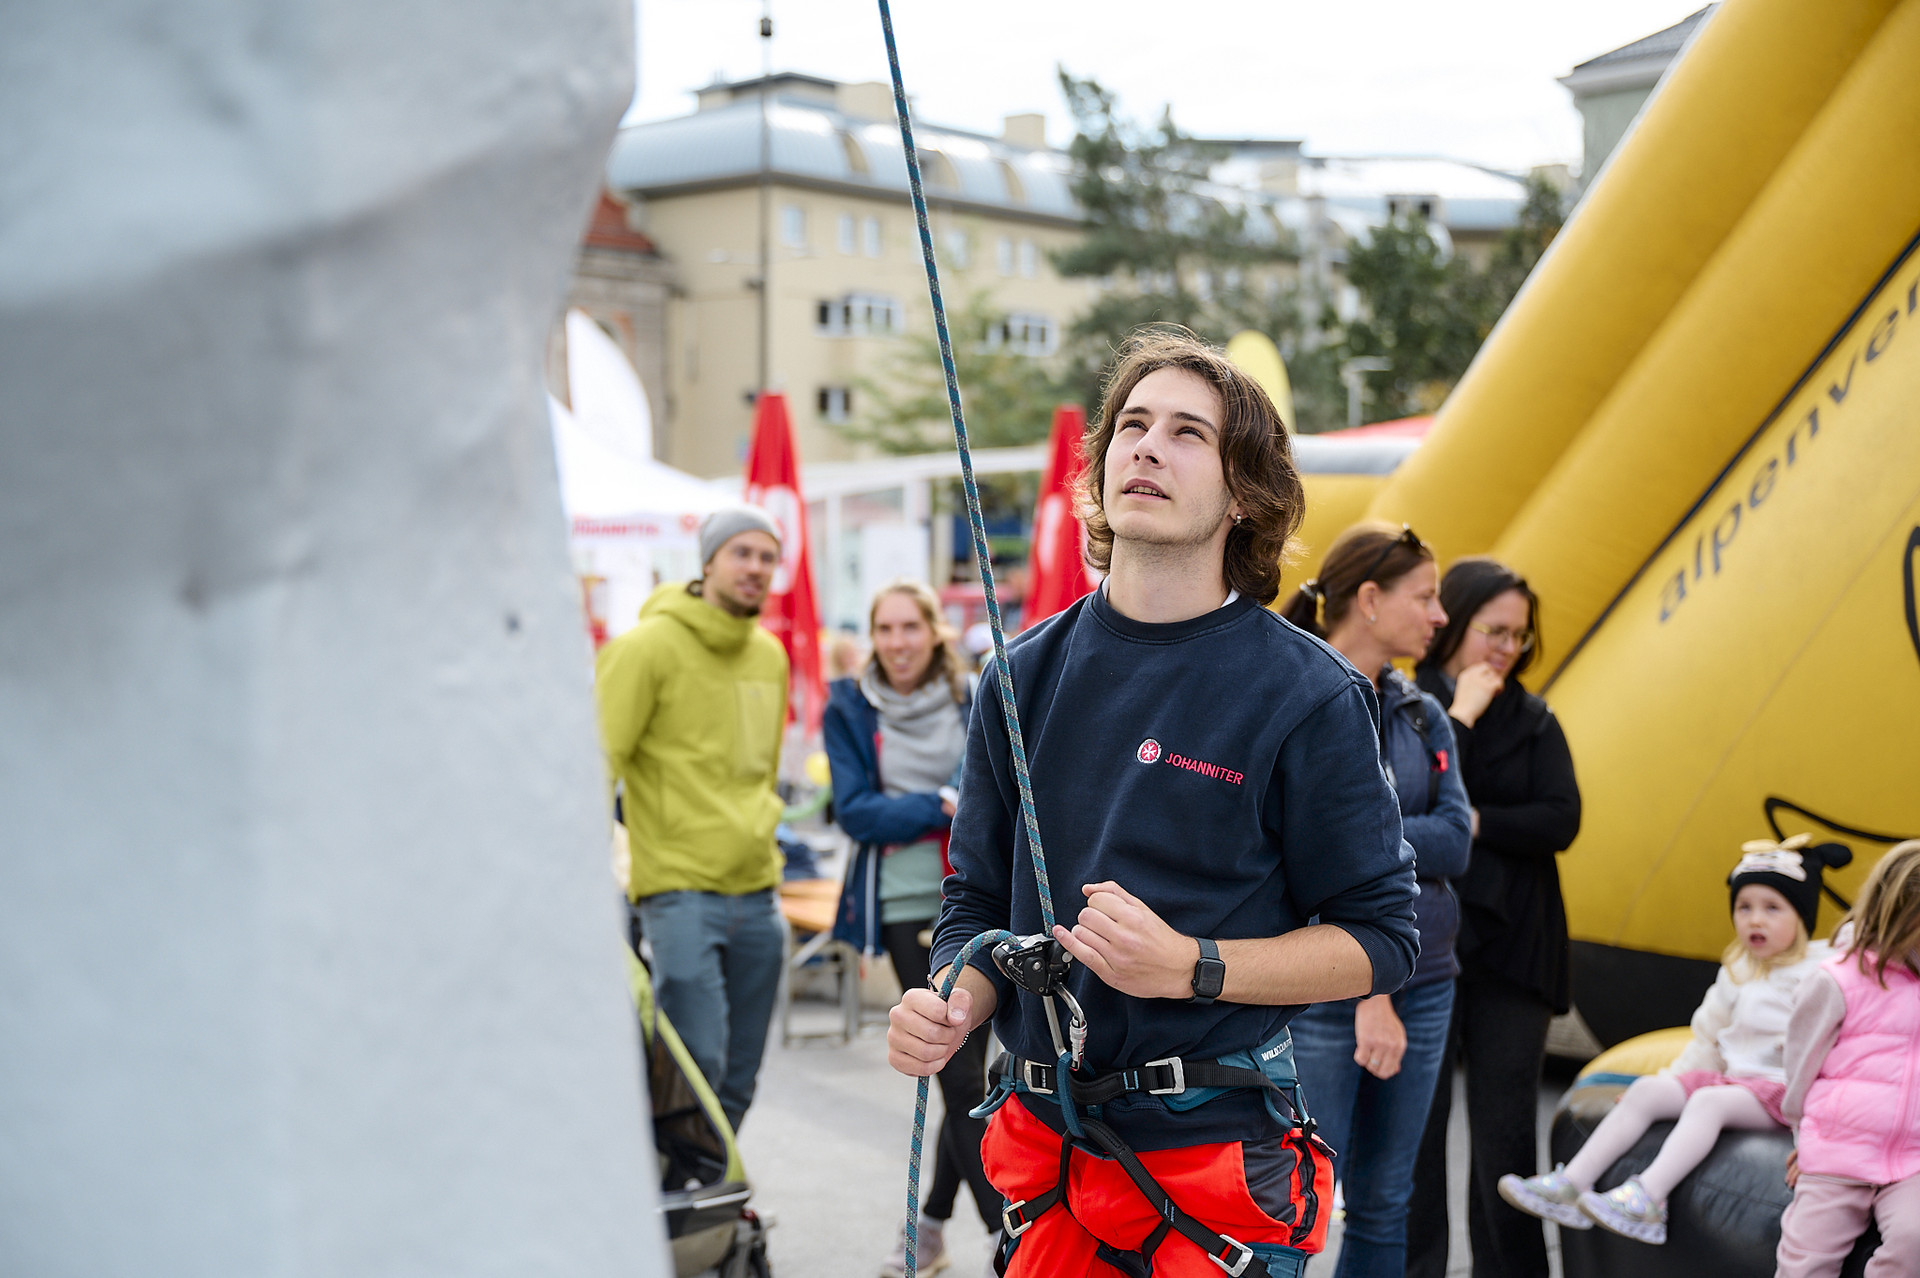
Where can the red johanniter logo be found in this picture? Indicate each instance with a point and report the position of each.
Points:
(1206, 769)
(1151, 752)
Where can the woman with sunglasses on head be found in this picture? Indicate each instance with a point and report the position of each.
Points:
(1368, 1066)
(1512, 945)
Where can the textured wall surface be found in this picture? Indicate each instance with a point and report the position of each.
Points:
(308, 951)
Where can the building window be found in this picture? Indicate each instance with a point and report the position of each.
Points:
(860, 315)
(793, 226)
(1029, 259)
(846, 233)
(1025, 334)
(959, 248)
(1003, 255)
(836, 404)
(870, 237)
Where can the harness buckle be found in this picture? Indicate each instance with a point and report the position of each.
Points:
(1179, 1085)
(1008, 1222)
(1037, 1077)
(1240, 1262)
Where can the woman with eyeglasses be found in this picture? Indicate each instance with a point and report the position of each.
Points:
(1368, 1066)
(1512, 945)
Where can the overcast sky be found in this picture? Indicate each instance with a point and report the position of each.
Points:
(1471, 79)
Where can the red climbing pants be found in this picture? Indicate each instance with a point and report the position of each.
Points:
(1209, 1182)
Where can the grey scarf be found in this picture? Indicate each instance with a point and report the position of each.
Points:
(922, 734)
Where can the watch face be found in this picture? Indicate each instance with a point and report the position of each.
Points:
(1208, 976)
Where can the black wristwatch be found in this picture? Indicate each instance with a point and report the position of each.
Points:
(1209, 974)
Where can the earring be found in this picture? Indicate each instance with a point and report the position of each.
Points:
(1238, 519)
(1371, 619)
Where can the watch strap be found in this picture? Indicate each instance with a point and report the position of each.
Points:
(1209, 973)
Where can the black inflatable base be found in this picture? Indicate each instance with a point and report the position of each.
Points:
(1723, 1219)
(1621, 992)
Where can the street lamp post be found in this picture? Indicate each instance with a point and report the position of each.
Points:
(1354, 374)
(764, 317)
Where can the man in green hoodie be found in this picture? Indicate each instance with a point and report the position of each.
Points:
(692, 703)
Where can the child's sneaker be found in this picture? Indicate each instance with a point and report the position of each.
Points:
(1550, 1197)
(1629, 1211)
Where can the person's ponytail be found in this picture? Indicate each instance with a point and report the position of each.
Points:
(1303, 609)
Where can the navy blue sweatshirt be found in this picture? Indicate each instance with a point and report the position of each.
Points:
(1226, 771)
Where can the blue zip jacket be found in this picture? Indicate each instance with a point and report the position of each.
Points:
(1424, 767)
(1226, 771)
(850, 728)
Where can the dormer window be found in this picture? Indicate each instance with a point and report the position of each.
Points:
(939, 171)
(1016, 190)
(856, 155)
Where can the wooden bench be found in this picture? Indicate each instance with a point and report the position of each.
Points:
(809, 906)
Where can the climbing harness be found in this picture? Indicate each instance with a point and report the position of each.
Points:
(1039, 964)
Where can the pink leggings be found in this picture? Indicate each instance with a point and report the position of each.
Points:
(1828, 1215)
(1657, 1096)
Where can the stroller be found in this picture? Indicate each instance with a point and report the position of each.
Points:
(703, 1185)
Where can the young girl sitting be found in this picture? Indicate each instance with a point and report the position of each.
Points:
(1852, 1093)
(1731, 1075)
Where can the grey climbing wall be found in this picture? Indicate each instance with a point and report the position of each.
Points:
(309, 953)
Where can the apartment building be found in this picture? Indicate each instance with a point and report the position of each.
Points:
(844, 276)
(1610, 90)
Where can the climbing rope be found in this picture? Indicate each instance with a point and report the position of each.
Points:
(977, 522)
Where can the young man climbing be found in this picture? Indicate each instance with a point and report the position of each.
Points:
(1213, 811)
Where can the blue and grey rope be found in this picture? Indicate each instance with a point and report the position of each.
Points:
(978, 524)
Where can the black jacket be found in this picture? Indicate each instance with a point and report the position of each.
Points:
(1519, 776)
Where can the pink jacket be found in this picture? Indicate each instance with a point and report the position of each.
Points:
(1862, 1113)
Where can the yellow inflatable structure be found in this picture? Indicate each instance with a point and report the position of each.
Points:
(1697, 432)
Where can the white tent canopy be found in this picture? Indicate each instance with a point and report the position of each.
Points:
(612, 494)
(609, 481)
(633, 520)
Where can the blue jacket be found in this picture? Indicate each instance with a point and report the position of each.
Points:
(871, 818)
(1416, 742)
(1226, 771)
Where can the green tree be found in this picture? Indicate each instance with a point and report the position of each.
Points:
(1426, 313)
(1008, 395)
(1421, 314)
(1171, 250)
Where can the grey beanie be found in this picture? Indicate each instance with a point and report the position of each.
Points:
(729, 522)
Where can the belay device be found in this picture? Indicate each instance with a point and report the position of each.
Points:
(1038, 965)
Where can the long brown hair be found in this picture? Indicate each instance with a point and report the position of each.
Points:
(946, 662)
(1370, 551)
(1256, 456)
(1886, 917)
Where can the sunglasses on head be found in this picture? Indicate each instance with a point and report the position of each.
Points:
(1408, 538)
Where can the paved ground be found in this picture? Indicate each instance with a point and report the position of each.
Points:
(826, 1146)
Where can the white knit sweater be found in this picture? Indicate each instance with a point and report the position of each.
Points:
(1740, 1028)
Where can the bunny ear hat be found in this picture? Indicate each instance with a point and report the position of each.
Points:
(1791, 867)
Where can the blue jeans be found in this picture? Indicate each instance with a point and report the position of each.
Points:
(1373, 1124)
(716, 972)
